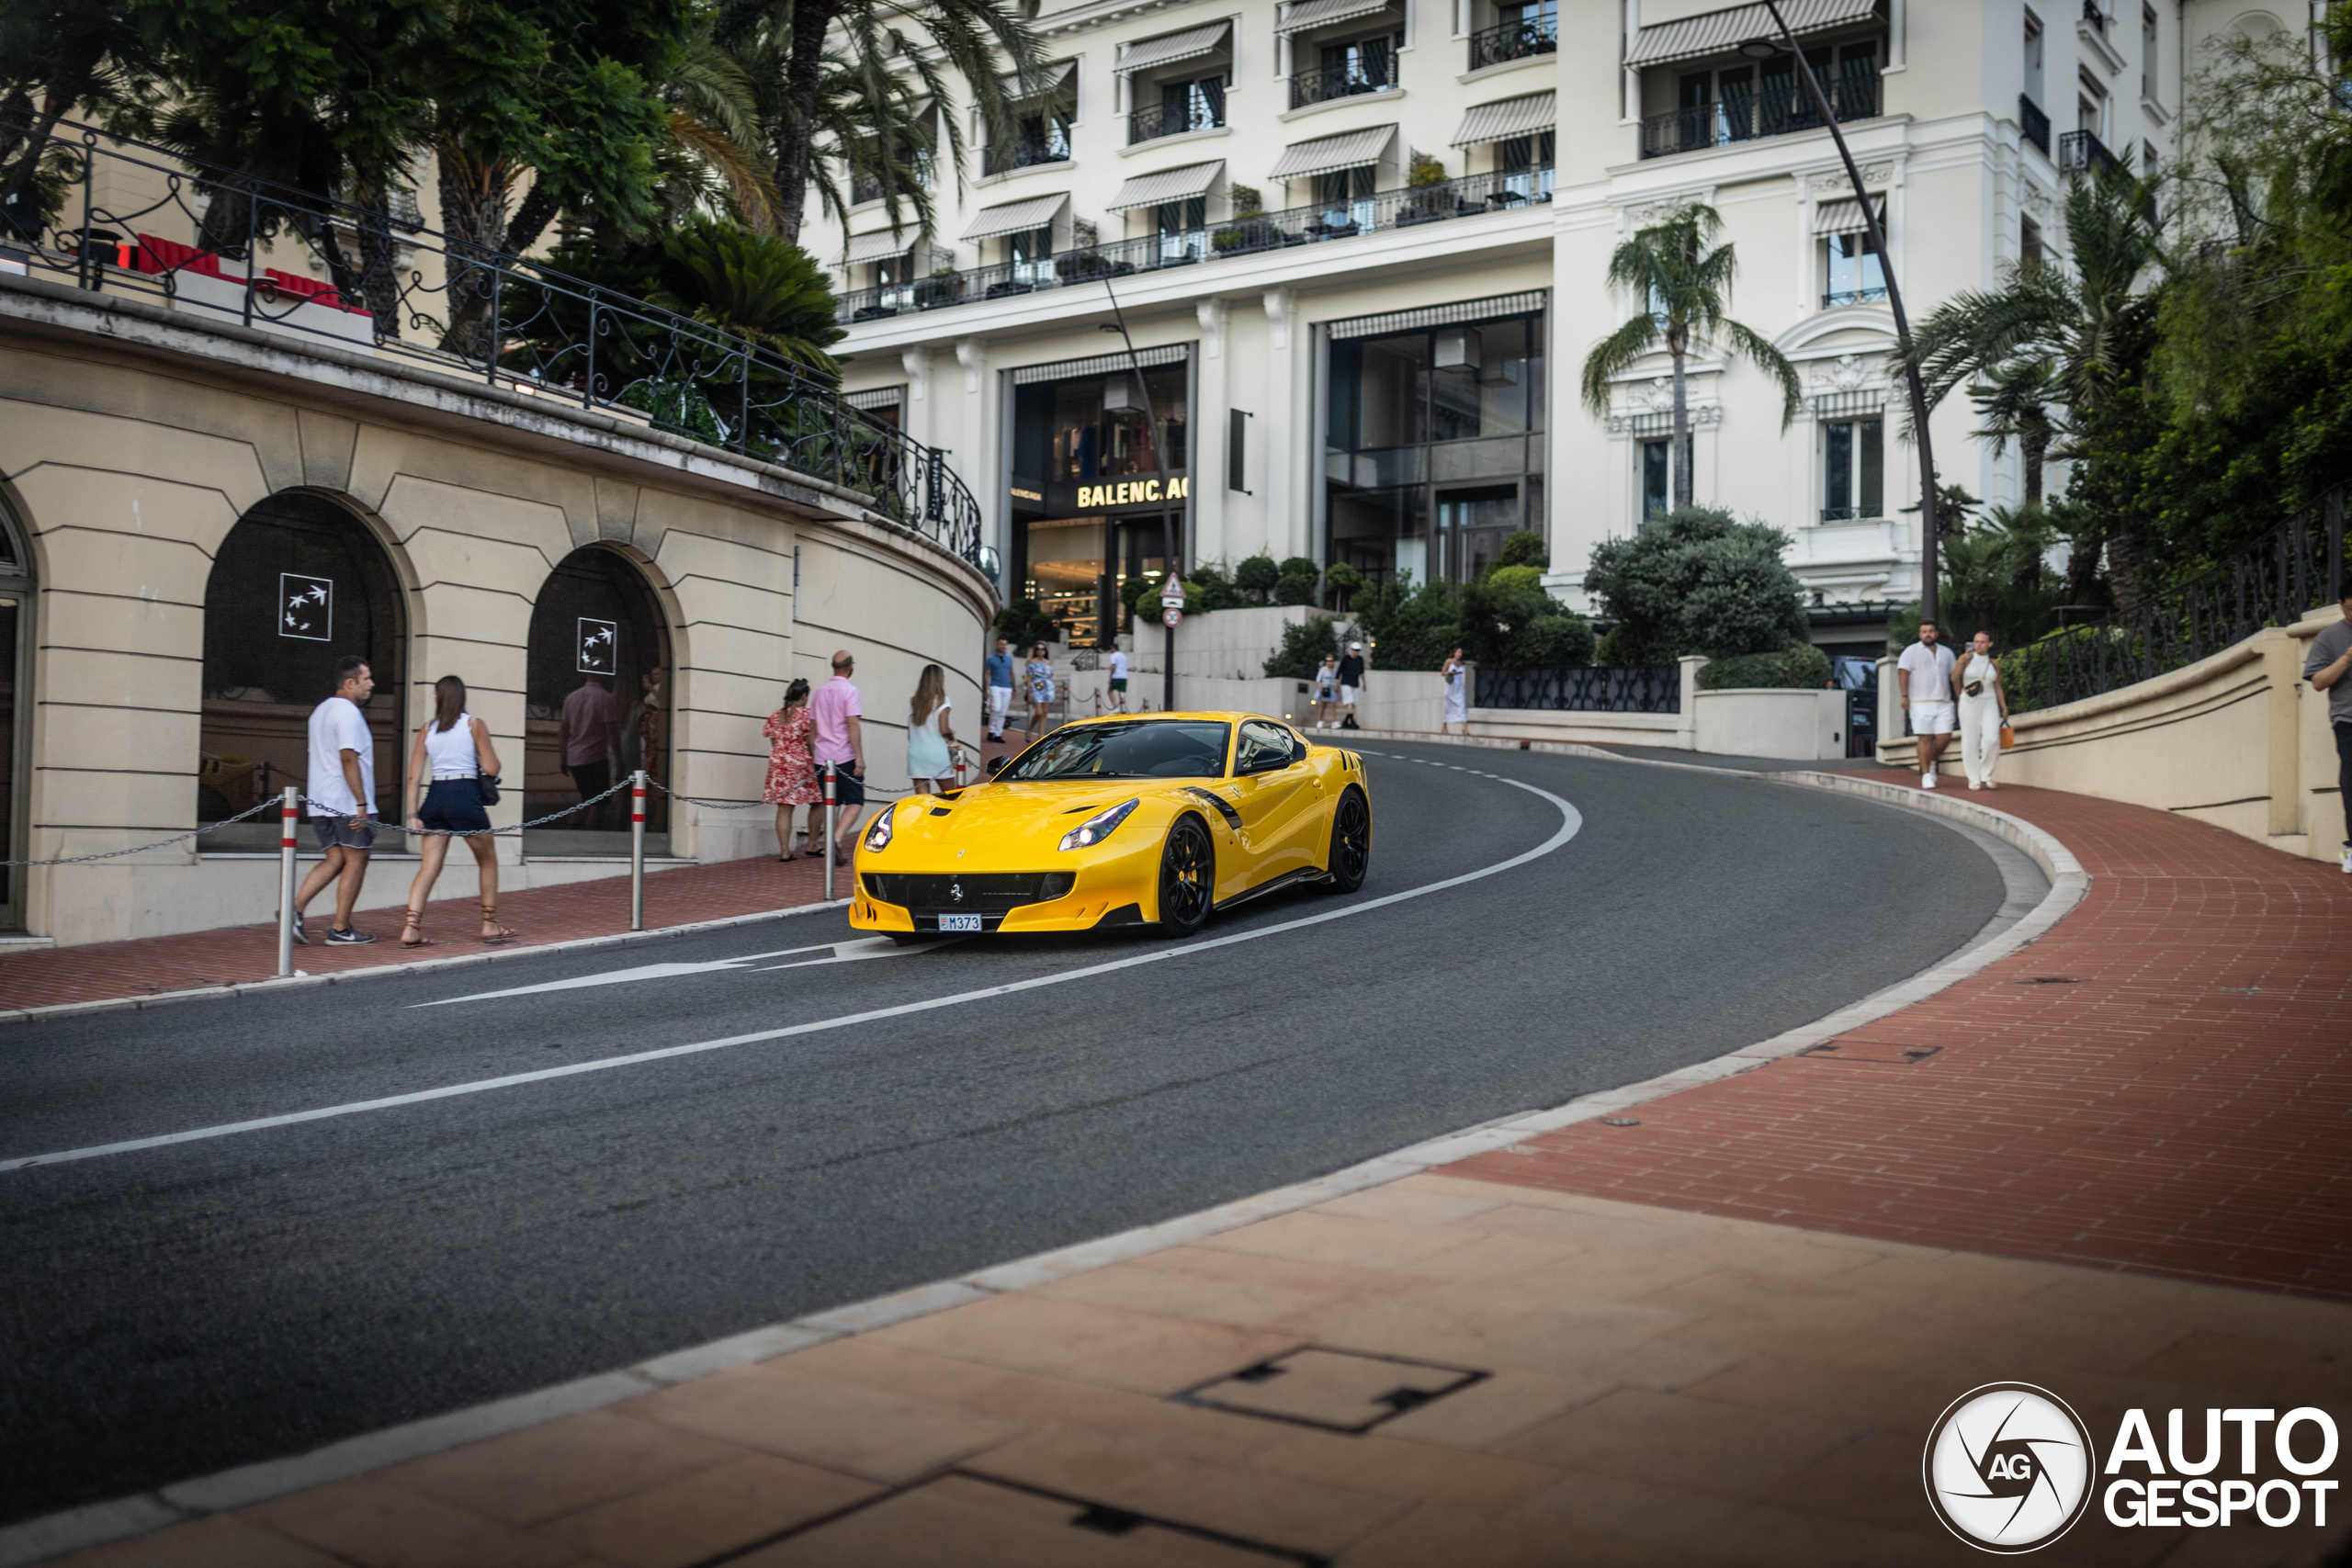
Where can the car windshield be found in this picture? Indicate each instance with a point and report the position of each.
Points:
(1145, 749)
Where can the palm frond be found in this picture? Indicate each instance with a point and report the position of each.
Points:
(1615, 355)
(1758, 351)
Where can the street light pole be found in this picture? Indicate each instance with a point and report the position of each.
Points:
(1169, 573)
(1764, 48)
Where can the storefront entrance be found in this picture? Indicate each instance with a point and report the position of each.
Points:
(298, 582)
(598, 705)
(16, 636)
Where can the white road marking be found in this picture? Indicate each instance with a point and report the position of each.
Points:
(1571, 822)
(842, 953)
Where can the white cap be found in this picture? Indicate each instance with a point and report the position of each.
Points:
(1353, 647)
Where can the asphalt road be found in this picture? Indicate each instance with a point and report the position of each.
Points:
(178, 1310)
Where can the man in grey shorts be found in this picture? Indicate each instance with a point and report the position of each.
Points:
(341, 789)
(2328, 667)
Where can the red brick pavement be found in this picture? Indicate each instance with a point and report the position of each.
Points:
(2180, 1108)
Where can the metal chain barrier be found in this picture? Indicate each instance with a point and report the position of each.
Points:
(462, 833)
(159, 843)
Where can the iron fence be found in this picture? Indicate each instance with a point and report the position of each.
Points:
(1194, 111)
(1584, 688)
(2081, 152)
(1342, 217)
(1514, 40)
(2299, 568)
(514, 324)
(1025, 153)
(2032, 124)
(1748, 115)
(1375, 72)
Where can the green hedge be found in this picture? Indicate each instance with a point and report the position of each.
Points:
(1799, 666)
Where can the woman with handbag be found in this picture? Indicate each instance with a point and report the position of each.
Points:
(1984, 710)
(453, 751)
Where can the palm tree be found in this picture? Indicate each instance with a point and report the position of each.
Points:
(1686, 277)
(2014, 401)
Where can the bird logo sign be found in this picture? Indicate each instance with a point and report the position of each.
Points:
(600, 648)
(305, 607)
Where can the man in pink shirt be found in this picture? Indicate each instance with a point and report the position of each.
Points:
(840, 741)
(589, 732)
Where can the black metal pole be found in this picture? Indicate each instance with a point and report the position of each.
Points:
(1167, 516)
(1928, 608)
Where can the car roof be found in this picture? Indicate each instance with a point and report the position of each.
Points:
(1229, 717)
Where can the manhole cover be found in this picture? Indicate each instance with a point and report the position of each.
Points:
(1620, 1121)
(1341, 1391)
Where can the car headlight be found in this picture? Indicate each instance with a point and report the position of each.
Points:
(1097, 828)
(878, 836)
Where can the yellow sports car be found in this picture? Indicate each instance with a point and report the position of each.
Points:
(1126, 821)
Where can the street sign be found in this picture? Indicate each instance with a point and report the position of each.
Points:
(1171, 617)
(1171, 595)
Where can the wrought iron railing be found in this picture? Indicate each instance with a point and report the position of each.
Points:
(1583, 688)
(1776, 111)
(2297, 569)
(2032, 124)
(1377, 73)
(1472, 195)
(2081, 152)
(1514, 40)
(514, 324)
(1854, 297)
(1201, 112)
(1024, 152)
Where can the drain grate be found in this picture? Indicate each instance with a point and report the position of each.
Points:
(2052, 980)
(1874, 1052)
(1339, 1391)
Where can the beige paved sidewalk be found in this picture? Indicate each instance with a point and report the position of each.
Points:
(1652, 1386)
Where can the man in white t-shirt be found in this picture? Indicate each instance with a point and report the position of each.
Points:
(1118, 679)
(1924, 674)
(340, 788)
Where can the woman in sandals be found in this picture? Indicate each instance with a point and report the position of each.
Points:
(453, 750)
(792, 768)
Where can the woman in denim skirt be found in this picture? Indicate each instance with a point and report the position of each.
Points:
(453, 751)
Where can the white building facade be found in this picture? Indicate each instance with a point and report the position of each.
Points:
(1360, 247)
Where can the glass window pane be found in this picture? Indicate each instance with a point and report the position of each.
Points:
(1656, 479)
(1872, 465)
(1838, 470)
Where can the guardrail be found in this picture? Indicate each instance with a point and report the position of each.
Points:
(1472, 195)
(1583, 688)
(514, 324)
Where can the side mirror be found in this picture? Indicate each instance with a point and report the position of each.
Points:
(996, 765)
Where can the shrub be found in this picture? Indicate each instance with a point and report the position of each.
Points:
(1302, 647)
(1025, 621)
(1343, 582)
(1696, 581)
(1296, 583)
(1509, 619)
(1412, 626)
(1257, 576)
(1801, 666)
(1523, 546)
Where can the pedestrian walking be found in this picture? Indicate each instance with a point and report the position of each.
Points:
(1457, 694)
(1118, 678)
(640, 732)
(1040, 673)
(997, 681)
(588, 733)
(929, 764)
(1352, 673)
(450, 757)
(835, 707)
(1984, 710)
(2328, 667)
(1924, 673)
(1326, 692)
(340, 788)
(792, 767)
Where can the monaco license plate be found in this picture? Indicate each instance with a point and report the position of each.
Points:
(960, 922)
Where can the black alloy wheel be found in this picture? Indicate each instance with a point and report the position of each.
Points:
(1187, 878)
(1350, 855)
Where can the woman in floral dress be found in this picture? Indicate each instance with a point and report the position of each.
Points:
(792, 770)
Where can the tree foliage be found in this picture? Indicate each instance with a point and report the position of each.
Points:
(1696, 581)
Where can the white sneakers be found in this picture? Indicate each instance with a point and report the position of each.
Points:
(1926, 780)
(2347, 860)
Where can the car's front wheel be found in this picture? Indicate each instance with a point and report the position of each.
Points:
(1350, 855)
(1187, 878)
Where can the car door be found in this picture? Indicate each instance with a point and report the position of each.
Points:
(1270, 789)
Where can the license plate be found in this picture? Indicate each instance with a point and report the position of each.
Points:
(960, 922)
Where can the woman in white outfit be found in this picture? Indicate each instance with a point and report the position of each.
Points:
(1457, 694)
(1984, 710)
(928, 736)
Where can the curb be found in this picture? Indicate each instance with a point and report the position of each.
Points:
(98, 1523)
(411, 966)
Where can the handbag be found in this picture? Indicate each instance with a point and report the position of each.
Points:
(488, 784)
(2008, 738)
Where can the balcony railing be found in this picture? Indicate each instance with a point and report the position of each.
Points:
(1514, 40)
(1584, 688)
(2032, 124)
(2095, 16)
(1854, 297)
(1473, 196)
(1024, 154)
(1157, 121)
(2080, 153)
(865, 189)
(1326, 83)
(1777, 112)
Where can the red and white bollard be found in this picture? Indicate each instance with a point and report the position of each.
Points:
(637, 851)
(288, 841)
(828, 832)
(959, 767)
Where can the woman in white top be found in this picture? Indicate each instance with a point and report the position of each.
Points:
(1457, 695)
(1984, 710)
(928, 736)
(453, 751)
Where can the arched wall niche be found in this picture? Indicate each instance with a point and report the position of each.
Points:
(16, 607)
(599, 702)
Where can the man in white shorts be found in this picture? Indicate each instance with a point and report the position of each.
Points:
(1118, 678)
(1923, 672)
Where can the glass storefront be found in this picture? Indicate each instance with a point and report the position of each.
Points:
(1433, 449)
(598, 705)
(16, 620)
(1086, 502)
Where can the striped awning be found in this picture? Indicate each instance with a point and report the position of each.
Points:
(1168, 48)
(1050, 79)
(1168, 185)
(878, 246)
(1327, 154)
(1719, 32)
(1017, 216)
(1300, 14)
(1501, 120)
(1844, 216)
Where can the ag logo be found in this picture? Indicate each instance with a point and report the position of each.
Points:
(2008, 1467)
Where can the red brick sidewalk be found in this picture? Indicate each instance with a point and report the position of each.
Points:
(2160, 1085)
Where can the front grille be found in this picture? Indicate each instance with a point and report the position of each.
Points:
(982, 893)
